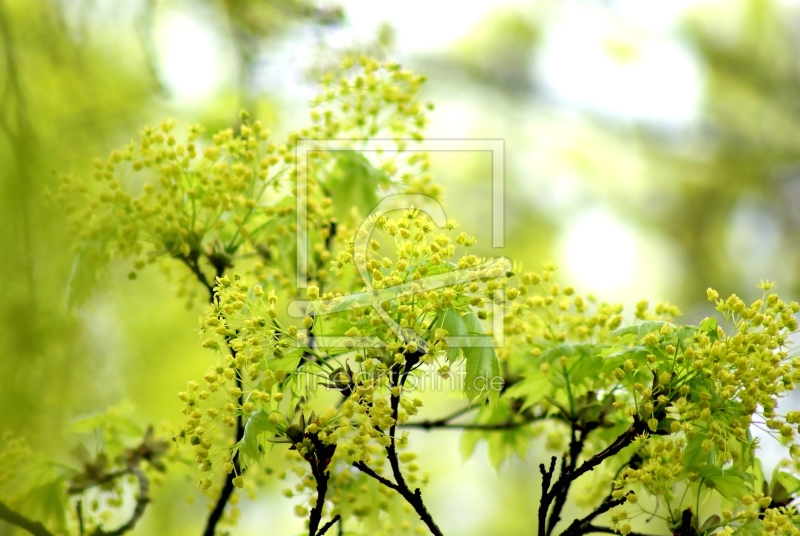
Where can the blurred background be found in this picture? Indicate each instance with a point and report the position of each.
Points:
(652, 149)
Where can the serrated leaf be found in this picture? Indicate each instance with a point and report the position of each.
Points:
(483, 369)
(789, 482)
(750, 528)
(86, 270)
(730, 485)
(47, 503)
(456, 333)
(531, 389)
(709, 324)
(469, 440)
(482, 366)
(256, 424)
(693, 454)
(567, 350)
(640, 329)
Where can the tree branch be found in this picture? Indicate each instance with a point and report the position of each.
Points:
(445, 424)
(321, 479)
(607, 530)
(398, 379)
(364, 468)
(141, 504)
(328, 525)
(18, 520)
(577, 438)
(227, 488)
(544, 502)
(557, 494)
(579, 526)
(413, 498)
(191, 262)
(637, 427)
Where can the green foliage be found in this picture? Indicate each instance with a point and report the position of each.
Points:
(658, 409)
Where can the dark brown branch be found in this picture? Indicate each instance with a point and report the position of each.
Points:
(445, 424)
(606, 530)
(75, 489)
(577, 438)
(364, 468)
(637, 428)
(569, 473)
(544, 502)
(398, 379)
(228, 487)
(413, 498)
(141, 504)
(150, 450)
(328, 525)
(79, 513)
(580, 526)
(321, 479)
(34, 527)
(191, 262)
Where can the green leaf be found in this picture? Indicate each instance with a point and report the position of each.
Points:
(640, 330)
(750, 528)
(789, 482)
(567, 350)
(534, 386)
(469, 440)
(709, 523)
(47, 503)
(331, 328)
(729, 483)
(709, 324)
(473, 325)
(115, 425)
(257, 423)
(483, 368)
(354, 182)
(456, 329)
(693, 454)
(86, 270)
(587, 366)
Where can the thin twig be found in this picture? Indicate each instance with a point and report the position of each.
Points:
(34, 527)
(194, 266)
(321, 479)
(328, 525)
(191, 261)
(637, 428)
(141, 504)
(79, 513)
(580, 526)
(544, 502)
(75, 489)
(398, 379)
(364, 468)
(607, 530)
(556, 495)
